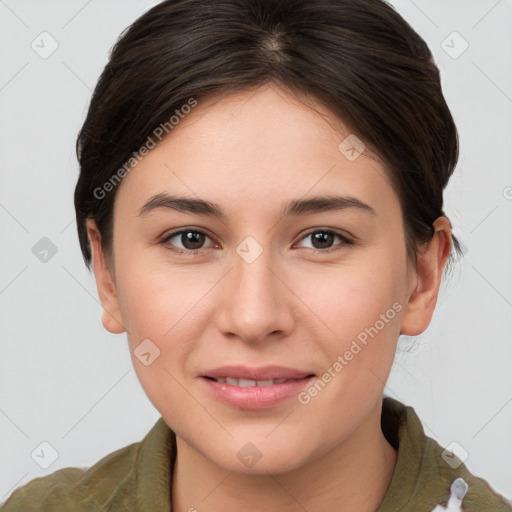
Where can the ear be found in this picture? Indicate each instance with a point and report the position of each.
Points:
(426, 279)
(112, 319)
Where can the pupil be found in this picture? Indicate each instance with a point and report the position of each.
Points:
(192, 240)
(322, 238)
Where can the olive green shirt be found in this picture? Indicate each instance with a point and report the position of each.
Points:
(138, 477)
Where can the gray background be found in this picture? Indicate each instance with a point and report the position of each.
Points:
(68, 382)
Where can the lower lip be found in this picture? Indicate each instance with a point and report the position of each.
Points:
(256, 397)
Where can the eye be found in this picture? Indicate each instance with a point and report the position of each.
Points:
(323, 238)
(192, 241)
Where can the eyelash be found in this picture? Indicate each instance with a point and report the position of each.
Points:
(345, 241)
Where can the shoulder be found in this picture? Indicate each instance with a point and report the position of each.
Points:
(75, 489)
(475, 492)
(427, 476)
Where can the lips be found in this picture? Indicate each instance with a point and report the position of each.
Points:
(255, 388)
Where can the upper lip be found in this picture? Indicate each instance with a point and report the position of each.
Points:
(260, 373)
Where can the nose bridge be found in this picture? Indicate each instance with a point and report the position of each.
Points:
(255, 278)
(256, 283)
(255, 304)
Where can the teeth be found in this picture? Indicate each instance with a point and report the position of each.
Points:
(247, 383)
(265, 382)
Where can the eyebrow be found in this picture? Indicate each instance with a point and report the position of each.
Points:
(316, 204)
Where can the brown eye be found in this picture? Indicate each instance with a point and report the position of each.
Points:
(191, 241)
(323, 239)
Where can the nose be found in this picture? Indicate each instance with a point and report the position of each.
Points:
(256, 302)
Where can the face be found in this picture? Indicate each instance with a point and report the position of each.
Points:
(316, 296)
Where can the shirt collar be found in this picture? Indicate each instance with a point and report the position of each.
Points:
(416, 475)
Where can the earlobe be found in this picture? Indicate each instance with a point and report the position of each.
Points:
(111, 317)
(431, 261)
(111, 323)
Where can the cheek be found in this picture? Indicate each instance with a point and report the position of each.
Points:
(164, 308)
(170, 306)
(348, 299)
(362, 305)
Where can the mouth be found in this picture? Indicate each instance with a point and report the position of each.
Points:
(255, 388)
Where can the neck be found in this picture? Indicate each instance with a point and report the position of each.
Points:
(356, 473)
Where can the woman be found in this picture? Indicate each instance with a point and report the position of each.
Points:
(261, 198)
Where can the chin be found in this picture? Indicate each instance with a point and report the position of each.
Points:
(253, 460)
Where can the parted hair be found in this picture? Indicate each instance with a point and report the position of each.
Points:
(358, 58)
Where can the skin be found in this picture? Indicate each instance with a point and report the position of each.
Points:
(293, 306)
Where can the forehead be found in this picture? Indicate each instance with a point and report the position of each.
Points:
(266, 111)
(257, 147)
